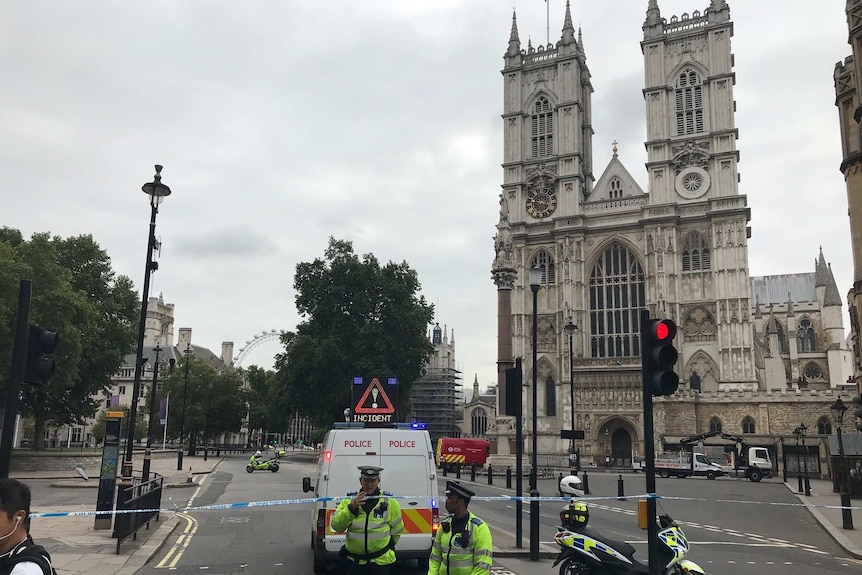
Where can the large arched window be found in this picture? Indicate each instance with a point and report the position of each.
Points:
(543, 129)
(550, 398)
(715, 425)
(478, 422)
(824, 426)
(696, 256)
(616, 297)
(805, 339)
(748, 425)
(689, 103)
(545, 262)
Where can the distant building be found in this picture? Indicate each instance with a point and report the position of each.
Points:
(436, 396)
(480, 410)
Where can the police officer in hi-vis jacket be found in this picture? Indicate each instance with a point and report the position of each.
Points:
(373, 524)
(463, 542)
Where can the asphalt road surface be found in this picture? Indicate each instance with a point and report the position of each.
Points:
(733, 526)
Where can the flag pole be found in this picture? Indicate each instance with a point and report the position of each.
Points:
(548, 18)
(167, 408)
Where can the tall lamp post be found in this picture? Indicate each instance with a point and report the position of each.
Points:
(157, 192)
(188, 354)
(797, 433)
(570, 331)
(145, 476)
(838, 409)
(802, 429)
(535, 284)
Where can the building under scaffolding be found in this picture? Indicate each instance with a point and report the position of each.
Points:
(437, 395)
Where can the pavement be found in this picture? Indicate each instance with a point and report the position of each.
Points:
(77, 548)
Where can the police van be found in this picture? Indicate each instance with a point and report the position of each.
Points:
(405, 453)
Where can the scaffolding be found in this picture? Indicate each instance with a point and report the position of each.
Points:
(437, 399)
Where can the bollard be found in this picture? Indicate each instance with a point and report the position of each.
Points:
(472, 472)
(490, 476)
(585, 481)
(180, 459)
(189, 479)
(621, 494)
(458, 472)
(206, 452)
(444, 468)
(798, 482)
(218, 451)
(807, 487)
(846, 511)
(508, 477)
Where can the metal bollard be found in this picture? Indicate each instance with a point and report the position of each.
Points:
(458, 472)
(206, 452)
(508, 477)
(621, 494)
(472, 472)
(218, 451)
(846, 511)
(807, 487)
(585, 481)
(444, 468)
(490, 476)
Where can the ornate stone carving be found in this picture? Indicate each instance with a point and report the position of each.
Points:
(547, 334)
(699, 325)
(690, 154)
(505, 279)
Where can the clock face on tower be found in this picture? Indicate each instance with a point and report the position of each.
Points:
(541, 202)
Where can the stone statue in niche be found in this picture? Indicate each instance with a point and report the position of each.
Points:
(649, 244)
(504, 209)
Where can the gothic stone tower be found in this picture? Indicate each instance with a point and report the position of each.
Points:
(605, 248)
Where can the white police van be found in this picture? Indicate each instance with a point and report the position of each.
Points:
(406, 455)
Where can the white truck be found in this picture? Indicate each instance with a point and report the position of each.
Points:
(752, 463)
(680, 465)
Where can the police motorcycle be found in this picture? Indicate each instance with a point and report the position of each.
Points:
(584, 551)
(257, 463)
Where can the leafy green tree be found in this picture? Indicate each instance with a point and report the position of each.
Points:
(75, 293)
(260, 396)
(361, 319)
(102, 419)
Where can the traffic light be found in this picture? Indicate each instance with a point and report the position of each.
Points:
(514, 380)
(658, 356)
(41, 345)
(857, 411)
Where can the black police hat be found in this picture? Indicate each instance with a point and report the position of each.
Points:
(370, 471)
(457, 489)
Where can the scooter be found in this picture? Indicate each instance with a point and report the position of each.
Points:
(587, 552)
(257, 463)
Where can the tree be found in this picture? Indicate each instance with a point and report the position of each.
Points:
(102, 420)
(260, 397)
(361, 319)
(76, 294)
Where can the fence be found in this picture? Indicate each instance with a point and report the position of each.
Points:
(144, 499)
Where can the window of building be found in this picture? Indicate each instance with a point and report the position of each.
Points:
(689, 103)
(478, 422)
(715, 425)
(748, 425)
(550, 398)
(122, 390)
(543, 129)
(695, 254)
(806, 341)
(76, 434)
(617, 295)
(615, 189)
(545, 262)
(812, 372)
(824, 426)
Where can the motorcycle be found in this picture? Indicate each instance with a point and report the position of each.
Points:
(584, 551)
(257, 463)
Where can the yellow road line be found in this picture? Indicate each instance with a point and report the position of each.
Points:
(176, 551)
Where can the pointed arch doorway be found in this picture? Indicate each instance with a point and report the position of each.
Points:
(618, 448)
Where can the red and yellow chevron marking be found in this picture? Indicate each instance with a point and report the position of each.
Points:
(415, 521)
(454, 458)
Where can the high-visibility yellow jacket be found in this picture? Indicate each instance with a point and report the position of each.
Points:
(371, 537)
(466, 552)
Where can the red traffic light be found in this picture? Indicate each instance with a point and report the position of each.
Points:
(663, 330)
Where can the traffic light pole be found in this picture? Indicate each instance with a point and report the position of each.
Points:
(16, 376)
(649, 457)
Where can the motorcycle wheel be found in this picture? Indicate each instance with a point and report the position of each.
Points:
(575, 568)
(273, 467)
(249, 468)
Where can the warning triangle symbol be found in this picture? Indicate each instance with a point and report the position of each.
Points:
(371, 402)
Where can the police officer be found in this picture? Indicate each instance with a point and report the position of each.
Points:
(463, 542)
(373, 524)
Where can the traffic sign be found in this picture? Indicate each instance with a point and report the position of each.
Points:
(572, 434)
(373, 400)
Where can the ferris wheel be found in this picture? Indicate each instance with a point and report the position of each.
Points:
(263, 337)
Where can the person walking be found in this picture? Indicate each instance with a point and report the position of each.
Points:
(463, 542)
(373, 523)
(19, 555)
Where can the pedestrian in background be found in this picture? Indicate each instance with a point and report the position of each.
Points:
(463, 542)
(19, 555)
(373, 524)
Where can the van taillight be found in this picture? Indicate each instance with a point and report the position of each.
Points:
(321, 523)
(435, 520)
(327, 456)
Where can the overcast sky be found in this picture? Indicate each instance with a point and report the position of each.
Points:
(280, 124)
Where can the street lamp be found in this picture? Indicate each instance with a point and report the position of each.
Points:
(797, 433)
(188, 353)
(145, 476)
(535, 284)
(570, 331)
(157, 192)
(838, 409)
(802, 429)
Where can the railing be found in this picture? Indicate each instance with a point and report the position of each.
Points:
(137, 505)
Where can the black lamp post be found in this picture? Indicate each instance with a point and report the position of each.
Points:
(188, 354)
(783, 460)
(148, 453)
(570, 331)
(797, 433)
(535, 284)
(157, 192)
(802, 429)
(838, 409)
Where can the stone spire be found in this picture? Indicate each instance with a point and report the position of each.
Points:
(514, 41)
(568, 29)
(580, 41)
(789, 305)
(757, 313)
(831, 296)
(475, 387)
(820, 270)
(653, 14)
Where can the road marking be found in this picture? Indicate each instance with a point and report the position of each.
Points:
(174, 554)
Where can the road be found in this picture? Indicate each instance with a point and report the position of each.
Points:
(727, 532)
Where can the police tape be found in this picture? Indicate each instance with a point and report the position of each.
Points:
(507, 498)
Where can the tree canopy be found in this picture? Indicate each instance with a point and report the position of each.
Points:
(75, 293)
(360, 318)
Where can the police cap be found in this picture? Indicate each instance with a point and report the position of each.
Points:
(457, 489)
(370, 471)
